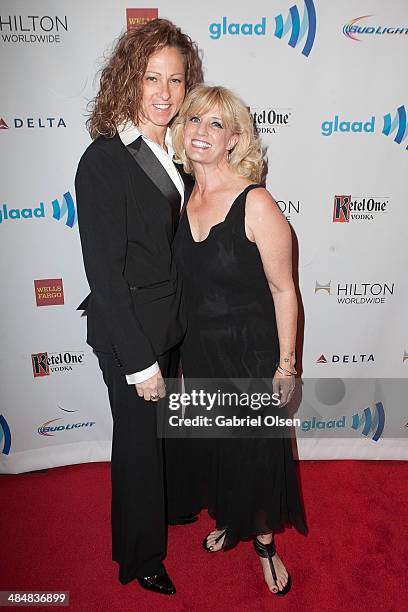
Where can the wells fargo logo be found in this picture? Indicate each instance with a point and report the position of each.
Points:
(138, 16)
(49, 292)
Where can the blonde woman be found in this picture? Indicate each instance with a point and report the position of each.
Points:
(233, 249)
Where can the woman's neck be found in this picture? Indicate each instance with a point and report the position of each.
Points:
(154, 132)
(212, 178)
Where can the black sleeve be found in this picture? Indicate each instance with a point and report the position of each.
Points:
(101, 200)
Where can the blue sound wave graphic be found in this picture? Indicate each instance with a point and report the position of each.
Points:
(370, 422)
(6, 434)
(298, 28)
(66, 208)
(398, 123)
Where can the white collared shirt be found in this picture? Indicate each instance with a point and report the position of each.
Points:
(128, 133)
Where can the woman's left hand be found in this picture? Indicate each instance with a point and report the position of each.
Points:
(284, 385)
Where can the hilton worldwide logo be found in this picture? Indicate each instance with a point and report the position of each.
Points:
(33, 28)
(356, 293)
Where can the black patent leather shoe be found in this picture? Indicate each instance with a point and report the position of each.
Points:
(159, 584)
(183, 520)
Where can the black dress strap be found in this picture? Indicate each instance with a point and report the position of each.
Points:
(238, 218)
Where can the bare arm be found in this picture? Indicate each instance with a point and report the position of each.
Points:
(268, 228)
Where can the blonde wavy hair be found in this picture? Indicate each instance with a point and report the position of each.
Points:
(246, 157)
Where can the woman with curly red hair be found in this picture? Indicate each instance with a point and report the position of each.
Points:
(129, 196)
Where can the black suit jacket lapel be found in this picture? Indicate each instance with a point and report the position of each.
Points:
(151, 166)
(188, 181)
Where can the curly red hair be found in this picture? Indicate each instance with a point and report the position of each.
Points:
(120, 93)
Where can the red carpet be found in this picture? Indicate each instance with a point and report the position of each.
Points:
(55, 536)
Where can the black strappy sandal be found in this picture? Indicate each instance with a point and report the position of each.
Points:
(218, 538)
(267, 551)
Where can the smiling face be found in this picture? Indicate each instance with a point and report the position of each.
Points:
(163, 89)
(207, 139)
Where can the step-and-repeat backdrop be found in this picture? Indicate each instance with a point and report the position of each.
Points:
(326, 84)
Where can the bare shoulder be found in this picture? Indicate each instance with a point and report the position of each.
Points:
(261, 206)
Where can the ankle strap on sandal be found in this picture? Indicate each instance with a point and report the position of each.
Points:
(264, 550)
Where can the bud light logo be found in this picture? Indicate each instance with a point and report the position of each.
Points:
(5, 436)
(371, 421)
(352, 28)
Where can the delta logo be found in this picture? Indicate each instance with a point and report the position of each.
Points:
(269, 120)
(394, 125)
(49, 292)
(348, 208)
(357, 293)
(139, 16)
(300, 30)
(45, 363)
(60, 210)
(349, 359)
(51, 427)
(353, 28)
(32, 123)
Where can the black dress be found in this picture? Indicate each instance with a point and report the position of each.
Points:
(248, 484)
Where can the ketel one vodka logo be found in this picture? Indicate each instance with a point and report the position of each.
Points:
(348, 208)
(46, 363)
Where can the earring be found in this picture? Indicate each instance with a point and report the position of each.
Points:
(228, 155)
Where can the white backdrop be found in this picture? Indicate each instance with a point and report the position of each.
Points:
(50, 52)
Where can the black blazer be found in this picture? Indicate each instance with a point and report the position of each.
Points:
(128, 212)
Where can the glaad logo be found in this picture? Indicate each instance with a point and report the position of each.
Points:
(139, 16)
(46, 363)
(298, 28)
(372, 422)
(362, 358)
(59, 211)
(66, 208)
(338, 125)
(224, 28)
(350, 29)
(346, 208)
(358, 293)
(46, 429)
(5, 434)
(33, 122)
(33, 28)
(398, 124)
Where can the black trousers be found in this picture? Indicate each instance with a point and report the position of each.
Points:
(139, 512)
